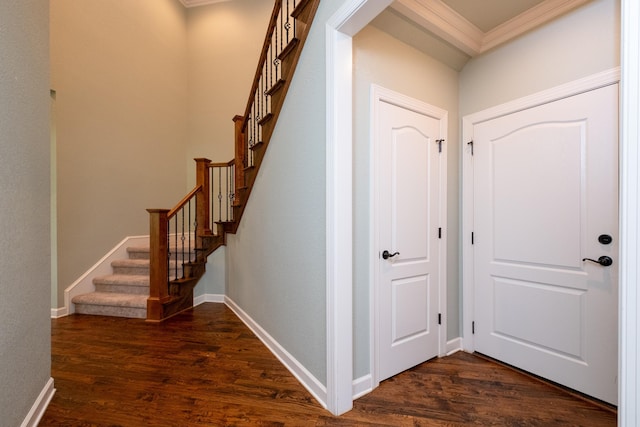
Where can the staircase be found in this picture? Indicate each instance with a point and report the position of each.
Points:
(123, 293)
(157, 282)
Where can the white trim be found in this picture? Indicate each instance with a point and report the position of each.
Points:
(340, 28)
(629, 366)
(40, 405)
(306, 378)
(57, 313)
(84, 284)
(454, 346)
(362, 386)
(381, 94)
(196, 3)
(444, 22)
(201, 299)
(468, 122)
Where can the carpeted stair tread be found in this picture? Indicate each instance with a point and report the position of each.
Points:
(112, 299)
(130, 263)
(138, 252)
(123, 279)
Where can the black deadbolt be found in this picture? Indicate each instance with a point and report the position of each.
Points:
(605, 239)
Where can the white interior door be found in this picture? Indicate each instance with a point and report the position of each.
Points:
(545, 198)
(409, 240)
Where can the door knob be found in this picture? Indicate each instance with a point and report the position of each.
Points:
(604, 261)
(387, 255)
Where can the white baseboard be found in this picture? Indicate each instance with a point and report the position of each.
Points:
(59, 312)
(311, 383)
(454, 346)
(40, 405)
(362, 386)
(201, 299)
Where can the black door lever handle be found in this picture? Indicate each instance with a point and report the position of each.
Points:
(387, 255)
(604, 261)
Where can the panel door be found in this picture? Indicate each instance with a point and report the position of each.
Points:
(409, 207)
(546, 195)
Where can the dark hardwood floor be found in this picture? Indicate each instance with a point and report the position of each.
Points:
(205, 368)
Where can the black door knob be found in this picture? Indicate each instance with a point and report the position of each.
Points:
(387, 255)
(604, 261)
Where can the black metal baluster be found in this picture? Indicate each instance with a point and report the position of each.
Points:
(287, 25)
(268, 66)
(189, 241)
(258, 127)
(195, 234)
(229, 192)
(168, 255)
(182, 238)
(211, 190)
(175, 242)
(281, 25)
(220, 192)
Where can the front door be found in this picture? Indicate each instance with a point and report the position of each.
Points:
(546, 240)
(410, 144)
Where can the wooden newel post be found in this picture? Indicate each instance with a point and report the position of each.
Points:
(202, 198)
(158, 266)
(240, 153)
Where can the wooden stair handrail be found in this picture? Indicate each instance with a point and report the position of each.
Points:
(183, 202)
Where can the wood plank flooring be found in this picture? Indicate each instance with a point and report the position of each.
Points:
(205, 368)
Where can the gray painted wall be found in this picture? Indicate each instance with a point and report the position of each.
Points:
(277, 259)
(25, 328)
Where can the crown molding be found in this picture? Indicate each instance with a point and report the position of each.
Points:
(196, 3)
(446, 23)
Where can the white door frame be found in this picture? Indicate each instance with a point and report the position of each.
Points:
(340, 28)
(468, 122)
(379, 94)
(629, 366)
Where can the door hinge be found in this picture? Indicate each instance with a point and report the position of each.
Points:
(472, 238)
(439, 318)
(439, 232)
(473, 327)
(439, 142)
(470, 144)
